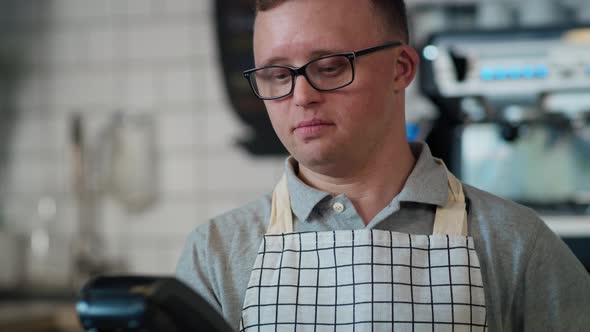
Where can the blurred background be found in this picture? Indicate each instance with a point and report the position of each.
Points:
(124, 124)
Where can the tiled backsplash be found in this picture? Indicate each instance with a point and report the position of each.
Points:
(95, 57)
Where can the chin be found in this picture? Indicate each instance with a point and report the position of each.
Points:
(315, 160)
(315, 153)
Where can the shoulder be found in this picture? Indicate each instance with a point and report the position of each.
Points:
(531, 276)
(220, 253)
(236, 227)
(491, 213)
(505, 233)
(230, 239)
(252, 214)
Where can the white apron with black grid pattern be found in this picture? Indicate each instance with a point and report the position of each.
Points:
(366, 280)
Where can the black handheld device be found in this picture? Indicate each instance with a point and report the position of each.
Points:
(146, 304)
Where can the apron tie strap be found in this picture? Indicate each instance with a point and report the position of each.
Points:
(281, 217)
(451, 219)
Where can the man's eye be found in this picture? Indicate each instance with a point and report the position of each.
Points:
(275, 76)
(279, 77)
(331, 70)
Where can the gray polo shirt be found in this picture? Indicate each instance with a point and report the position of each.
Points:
(532, 280)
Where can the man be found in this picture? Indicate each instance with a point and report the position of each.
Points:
(365, 231)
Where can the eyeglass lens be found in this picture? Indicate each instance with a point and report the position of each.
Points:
(323, 74)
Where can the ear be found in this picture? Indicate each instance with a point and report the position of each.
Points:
(406, 66)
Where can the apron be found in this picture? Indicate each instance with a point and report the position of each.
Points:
(367, 279)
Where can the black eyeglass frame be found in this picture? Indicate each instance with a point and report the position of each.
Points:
(351, 56)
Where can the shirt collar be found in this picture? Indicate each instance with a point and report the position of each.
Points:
(427, 183)
(303, 197)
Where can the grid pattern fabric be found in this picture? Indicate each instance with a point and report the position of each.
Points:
(365, 280)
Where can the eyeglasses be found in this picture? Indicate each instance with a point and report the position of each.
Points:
(326, 73)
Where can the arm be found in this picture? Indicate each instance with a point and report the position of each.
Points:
(556, 287)
(193, 268)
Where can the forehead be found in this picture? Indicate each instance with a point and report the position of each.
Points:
(299, 28)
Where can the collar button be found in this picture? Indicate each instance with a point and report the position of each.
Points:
(338, 207)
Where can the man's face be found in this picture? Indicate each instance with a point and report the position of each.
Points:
(340, 127)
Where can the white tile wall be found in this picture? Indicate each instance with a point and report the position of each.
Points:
(71, 90)
(26, 133)
(139, 90)
(203, 36)
(154, 41)
(31, 95)
(222, 128)
(80, 10)
(180, 130)
(18, 211)
(66, 45)
(201, 8)
(179, 174)
(136, 56)
(101, 44)
(33, 174)
(239, 172)
(181, 85)
(133, 7)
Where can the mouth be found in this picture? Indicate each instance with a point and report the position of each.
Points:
(312, 128)
(313, 123)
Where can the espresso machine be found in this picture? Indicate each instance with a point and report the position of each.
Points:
(514, 118)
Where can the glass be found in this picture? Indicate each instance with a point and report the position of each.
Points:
(326, 73)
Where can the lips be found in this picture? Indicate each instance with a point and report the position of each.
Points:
(313, 128)
(313, 123)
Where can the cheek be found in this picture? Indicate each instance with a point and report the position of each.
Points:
(376, 78)
(278, 118)
(366, 114)
(355, 117)
(376, 97)
(365, 102)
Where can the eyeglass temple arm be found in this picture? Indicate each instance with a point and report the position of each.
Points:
(377, 48)
(301, 70)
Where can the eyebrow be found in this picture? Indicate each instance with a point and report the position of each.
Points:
(276, 60)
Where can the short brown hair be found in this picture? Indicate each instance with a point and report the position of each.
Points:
(393, 11)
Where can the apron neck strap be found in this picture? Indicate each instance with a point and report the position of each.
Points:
(450, 219)
(281, 218)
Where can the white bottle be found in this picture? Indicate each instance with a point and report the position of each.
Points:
(48, 255)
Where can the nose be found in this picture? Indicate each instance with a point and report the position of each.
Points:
(304, 94)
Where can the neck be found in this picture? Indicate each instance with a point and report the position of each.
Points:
(371, 185)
